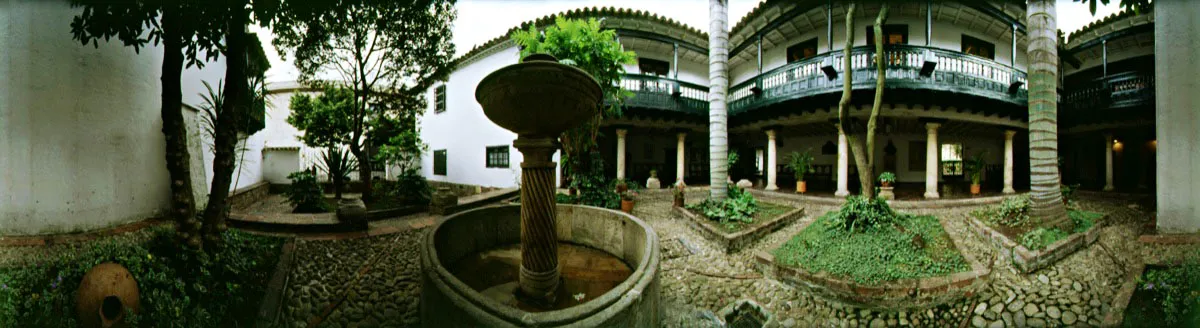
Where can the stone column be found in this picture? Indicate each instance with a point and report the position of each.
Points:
(621, 153)
(679, 159)
(1008, 161)
(771, 160)
(931, 161)
(843, 166)
(1175, 100)
(1108, 162)
(539, 276)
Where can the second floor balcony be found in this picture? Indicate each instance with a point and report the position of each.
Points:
(909, 67)
(1115, 91)
(661, 93)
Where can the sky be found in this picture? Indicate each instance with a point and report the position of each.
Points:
(482, 20)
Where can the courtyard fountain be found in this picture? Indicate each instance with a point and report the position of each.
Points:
(540, 263)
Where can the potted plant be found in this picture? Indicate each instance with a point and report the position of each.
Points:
(678, 192)
(886, 179)
(627, 199)
(622, 186)
(974, 167)
(801, 164)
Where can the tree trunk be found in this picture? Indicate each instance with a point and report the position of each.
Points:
(718, 77)
(228, 120)
(364, 169)
(183, 204)
(1043, 117)
(844, 122)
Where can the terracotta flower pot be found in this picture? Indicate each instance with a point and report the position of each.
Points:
(106, 291)
(885, 183)
(975, 189)
(627, 206)
(802, 187)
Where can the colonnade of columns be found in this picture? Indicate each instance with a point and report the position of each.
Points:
(932, 162)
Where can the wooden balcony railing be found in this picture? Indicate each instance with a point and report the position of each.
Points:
(1127, 89)
(951, 71)
(665, 94)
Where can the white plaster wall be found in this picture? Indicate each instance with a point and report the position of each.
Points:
(81, 145)
(1178, 121)
(465, 133)
(945, 35)
(279, 163)
(689, 71)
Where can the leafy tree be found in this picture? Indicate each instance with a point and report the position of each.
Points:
(384, 52)
(185, 29)
(718, 92)
(583, 44)
(325, 120)
(1136, 5)
(1043, 117)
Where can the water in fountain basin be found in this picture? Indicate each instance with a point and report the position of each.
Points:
(587, 273)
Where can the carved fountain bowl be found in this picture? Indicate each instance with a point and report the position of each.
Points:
(538, 97)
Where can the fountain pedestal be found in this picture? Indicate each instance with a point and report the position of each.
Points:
(539, 236)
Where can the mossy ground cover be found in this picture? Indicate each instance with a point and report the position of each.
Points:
(1011, 218)
(178, 287)
(872, 256)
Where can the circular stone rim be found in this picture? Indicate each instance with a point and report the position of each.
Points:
(597, 310)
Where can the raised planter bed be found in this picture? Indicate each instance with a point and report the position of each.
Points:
(733, 241)
(1153, 254)
(1028, 260)
(891, 295)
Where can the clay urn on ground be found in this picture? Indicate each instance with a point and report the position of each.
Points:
(105, 293)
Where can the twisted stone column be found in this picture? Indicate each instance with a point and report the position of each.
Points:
(540, 271)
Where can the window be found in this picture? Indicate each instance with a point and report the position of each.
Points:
(497, 157)
(892, 34)
(653, 66)
(973, 46)
(758, 160)
(439, 162)
(802, 51)
(440, 98)
(952, 159)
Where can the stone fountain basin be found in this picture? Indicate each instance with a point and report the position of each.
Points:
(448, 302)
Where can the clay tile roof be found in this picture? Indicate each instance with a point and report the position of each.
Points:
(1106, 21)
(586, 12)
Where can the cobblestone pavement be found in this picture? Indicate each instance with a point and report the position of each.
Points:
(1074, 292)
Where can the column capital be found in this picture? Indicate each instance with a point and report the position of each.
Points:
(681, 135)
(932, 126)
(770, 133)
(1008, 134)
(621, 132)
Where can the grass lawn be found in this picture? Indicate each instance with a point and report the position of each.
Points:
(765, 212)
(875, 256)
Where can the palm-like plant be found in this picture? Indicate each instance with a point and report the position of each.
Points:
(800, 163)
(338, 164)
(1043, 116)
(974, 167)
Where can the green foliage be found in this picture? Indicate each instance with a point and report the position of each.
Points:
(874, 256)
(305, 193)
(1068, 192)
(410, 187)
(1176, 290)
(859, 214)
(581, 43)
(974, 167)
(1012, 212)
(561, 198)
(326, 120)
(1042, 237)
(800, 163)
(739, 207)
(887, 177)
(337, 164)
(403, 150)
(179, 286)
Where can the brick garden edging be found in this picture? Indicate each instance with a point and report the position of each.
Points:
(272, 302)
(904, 293)
(1027, 260)
(733, 241)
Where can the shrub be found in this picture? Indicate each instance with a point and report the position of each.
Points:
(1041, 237)
(800, 163)
(1012, 212)
(305, 194)
(1068, 192)
(410, 188)
(595, 190)
(1178, 288)
(861, 214)
(179, 287)
(738, 207)
(562, 198)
